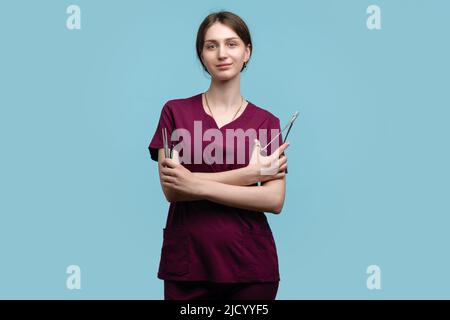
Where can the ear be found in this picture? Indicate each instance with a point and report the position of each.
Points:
(247, 52)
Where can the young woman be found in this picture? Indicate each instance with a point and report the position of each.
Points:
(217, 243)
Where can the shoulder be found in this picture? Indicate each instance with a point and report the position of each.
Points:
(182, 104)
(267, 118)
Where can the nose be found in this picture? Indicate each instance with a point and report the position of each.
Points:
(222, 52)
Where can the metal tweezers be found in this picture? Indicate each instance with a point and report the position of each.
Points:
(167, 150)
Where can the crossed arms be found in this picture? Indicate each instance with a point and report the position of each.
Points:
(232, 188)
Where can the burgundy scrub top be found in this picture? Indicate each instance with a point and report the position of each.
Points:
(204, 240)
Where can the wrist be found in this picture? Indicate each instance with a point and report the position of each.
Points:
(202, 188)
(251, 174)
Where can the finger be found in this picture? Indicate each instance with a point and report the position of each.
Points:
(172, 163)
(167, 185)
(164, 162)
(280, 175)
(283, 167)
(168, 171)
(278, 162)
(282, 160)
(169, 163)
(168, 179)
(258, 145)
(281, 149)
(257, 149)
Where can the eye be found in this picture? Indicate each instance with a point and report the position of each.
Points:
(233, 44)
(209, 46)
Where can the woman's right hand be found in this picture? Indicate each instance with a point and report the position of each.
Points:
(265, 168)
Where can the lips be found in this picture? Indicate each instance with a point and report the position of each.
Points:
(223, 65)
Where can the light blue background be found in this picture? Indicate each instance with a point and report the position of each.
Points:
(368, 178)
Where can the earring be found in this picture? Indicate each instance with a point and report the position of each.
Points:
(245, 64)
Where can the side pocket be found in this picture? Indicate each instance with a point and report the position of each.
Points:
(175, 256)
(261, 260)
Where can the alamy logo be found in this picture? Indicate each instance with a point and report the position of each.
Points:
(74, 20)
(374, 280)
(74, 278)
(235, 140)
(374, 19)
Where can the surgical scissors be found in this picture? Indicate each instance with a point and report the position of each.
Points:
(289, 124)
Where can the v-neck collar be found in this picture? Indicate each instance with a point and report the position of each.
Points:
(241, 116)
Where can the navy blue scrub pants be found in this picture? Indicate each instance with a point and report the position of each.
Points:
(202, 290)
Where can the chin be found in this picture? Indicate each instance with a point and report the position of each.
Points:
(225, 76)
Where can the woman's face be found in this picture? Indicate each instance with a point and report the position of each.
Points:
(222, 46)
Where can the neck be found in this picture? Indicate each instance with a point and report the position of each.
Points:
(225, 95)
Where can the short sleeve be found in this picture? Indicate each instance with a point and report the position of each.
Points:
(166, 120)
(274, 128)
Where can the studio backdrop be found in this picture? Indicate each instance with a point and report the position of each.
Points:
(82, 85)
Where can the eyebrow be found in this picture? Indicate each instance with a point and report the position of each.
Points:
(213, 40)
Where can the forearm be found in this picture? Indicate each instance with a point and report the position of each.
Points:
(266, 198)
(237, 177)
(173, 196)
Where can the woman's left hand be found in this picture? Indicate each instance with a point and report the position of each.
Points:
(176, 177)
